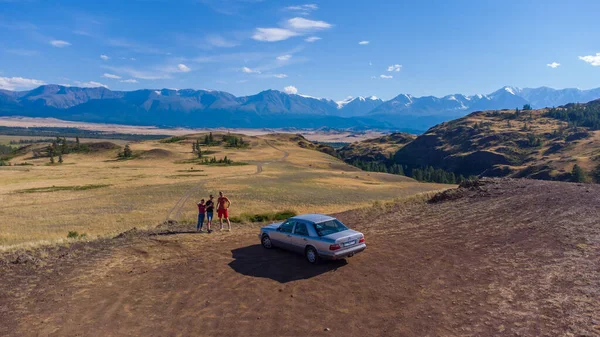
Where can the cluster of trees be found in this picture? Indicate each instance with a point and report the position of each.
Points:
(586, 115)
(373, 166)
(214, 160)
(126, 153)
(30, 141)
(210, 140)
(234, 141)
(427, 174)
(6, 149)
(196, 148)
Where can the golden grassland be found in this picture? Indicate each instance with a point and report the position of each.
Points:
(98, 195)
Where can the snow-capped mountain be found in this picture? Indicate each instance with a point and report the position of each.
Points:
(270, 108)
(357, 106)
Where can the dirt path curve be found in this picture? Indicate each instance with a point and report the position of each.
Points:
(259, 166)
(175, 212)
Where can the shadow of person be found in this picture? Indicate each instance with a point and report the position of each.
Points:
(278, 265)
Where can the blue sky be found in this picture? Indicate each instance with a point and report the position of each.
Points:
(331, 49)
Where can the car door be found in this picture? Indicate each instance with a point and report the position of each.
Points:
(300, 237)
(283, 235)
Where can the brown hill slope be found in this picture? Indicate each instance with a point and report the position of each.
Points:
(499, 258)
(376, 149)
(532, 144)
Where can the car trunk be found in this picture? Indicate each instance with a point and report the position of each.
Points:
(346, 239)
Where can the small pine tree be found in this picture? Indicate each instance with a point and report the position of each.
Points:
(526, 107)
(206, 140)
(210, 138)
(52, 159)
(127, 153)
(577, 174)
(199, 151)
(60, 158)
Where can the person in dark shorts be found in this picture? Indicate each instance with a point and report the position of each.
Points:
(223, 204)
(201, 215)
(210, 207)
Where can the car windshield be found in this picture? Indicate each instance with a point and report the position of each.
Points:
(329, 227)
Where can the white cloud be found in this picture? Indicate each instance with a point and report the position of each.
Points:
(306, 24)
(303, 9)
(131, 80)
(553, 65)
(104, 57)
(250, 71)
(290, 89)
(284, 57)
(241, 81)
(59, 43)
(312, 39)
(183, 68)
(386, 77)
(219, 41)
(273, 34)
(143, 74)
(591, 59)
(280, 75)
(112, 76)
(12, 83)
(370, 63)
(395, 67)
(90, 84)
(363, 42)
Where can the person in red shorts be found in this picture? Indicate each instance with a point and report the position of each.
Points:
(223, 204)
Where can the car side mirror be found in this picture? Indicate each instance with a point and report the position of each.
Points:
(279, 229)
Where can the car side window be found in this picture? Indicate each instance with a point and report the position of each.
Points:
(301, 229)
(287, 227)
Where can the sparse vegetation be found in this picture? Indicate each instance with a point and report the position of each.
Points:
(175, 139)
(73, 132)
(61, 188)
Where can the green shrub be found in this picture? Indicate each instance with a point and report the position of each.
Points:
(264, 217)
(72, 235)
(172, 139)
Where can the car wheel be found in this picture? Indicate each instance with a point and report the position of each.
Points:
(311, 255)
(266, 242)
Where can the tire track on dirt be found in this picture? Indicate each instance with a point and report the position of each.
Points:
(259, 166)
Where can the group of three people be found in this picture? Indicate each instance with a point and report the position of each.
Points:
(205, 211)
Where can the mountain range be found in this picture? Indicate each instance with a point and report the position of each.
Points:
(270, 108)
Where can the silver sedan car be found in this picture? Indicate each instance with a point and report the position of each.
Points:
(316, 236)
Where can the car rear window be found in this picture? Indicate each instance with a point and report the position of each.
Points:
(329, 227)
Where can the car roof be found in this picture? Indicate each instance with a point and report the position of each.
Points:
(315, 218)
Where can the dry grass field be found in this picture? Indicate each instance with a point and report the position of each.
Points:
(98, 195)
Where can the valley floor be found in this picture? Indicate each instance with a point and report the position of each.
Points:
(502, 258)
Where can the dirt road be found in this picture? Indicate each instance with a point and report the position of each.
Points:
(509, 258)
